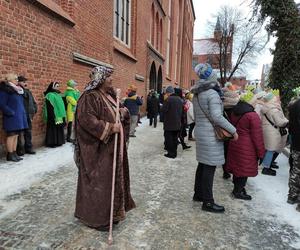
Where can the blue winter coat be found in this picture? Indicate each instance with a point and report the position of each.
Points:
(12, 106)
(132, 103)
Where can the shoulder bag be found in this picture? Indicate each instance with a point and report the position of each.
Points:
(221, 133)
(282, 130)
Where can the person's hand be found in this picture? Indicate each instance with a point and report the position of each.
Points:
(116, 128)
(235, 137)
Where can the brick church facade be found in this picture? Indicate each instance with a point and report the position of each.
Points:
(148, 43)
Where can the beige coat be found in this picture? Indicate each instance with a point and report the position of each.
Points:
(272, 138)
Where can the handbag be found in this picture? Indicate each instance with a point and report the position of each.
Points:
(282, 130)
(221, 133)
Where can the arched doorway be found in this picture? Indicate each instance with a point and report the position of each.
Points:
(153, 84)
(159, 80)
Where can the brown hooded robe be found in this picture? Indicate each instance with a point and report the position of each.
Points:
(94, 152)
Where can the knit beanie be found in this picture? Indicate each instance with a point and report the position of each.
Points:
(205, 72)
(71, 83)
(170, 90)
(268, 97)
(261, 94)
(247, 97)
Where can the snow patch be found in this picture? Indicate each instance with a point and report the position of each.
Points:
(274, 190)
(16, 177)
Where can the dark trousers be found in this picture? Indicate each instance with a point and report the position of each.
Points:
(25, 144)
(239, 183)
(153, 119)
(191, 128)
(171, 142)
(204, 180)
(275, 155)
(226, 145)
(69, 131)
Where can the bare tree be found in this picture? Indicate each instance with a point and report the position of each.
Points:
(238, 40)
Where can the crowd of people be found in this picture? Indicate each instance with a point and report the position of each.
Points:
(234, 128)
(253, 119)
(18, 106)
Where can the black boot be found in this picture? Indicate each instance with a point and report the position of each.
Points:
(242, 195)
(274, 165)
(18, 157)
(30, 152)
(268, 171)
(226, 175)
(184, 146)
(212, 207)
(11, 157)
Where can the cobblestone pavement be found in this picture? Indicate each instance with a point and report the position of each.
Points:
(165, 217)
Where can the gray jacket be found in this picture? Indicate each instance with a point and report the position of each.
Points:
(209, 150)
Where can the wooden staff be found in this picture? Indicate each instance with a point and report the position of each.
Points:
(110, 236)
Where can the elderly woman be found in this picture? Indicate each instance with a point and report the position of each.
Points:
(243, 154)
(95, 129)
(54, 115)
(208, 109)
(14, 115)
(274, 123)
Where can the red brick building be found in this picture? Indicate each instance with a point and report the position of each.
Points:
(149, 43)
(207, 50)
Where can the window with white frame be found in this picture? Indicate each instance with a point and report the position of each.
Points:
(122, 13)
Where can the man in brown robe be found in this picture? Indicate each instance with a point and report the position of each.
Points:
(95, 129)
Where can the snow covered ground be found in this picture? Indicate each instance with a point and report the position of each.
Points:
(15, 177)
(274, 190)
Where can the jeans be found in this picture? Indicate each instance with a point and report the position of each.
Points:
(268, 159)
(133, 124)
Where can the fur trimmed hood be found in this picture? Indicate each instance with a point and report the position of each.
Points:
(203, 85)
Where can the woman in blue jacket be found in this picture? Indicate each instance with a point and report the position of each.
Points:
(14, 116)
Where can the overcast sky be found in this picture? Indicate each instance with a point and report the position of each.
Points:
(205, 10)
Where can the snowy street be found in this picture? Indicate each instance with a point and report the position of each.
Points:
(37, 199)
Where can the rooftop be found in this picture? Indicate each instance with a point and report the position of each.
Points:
(205, 47)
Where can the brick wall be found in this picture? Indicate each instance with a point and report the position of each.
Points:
(38, 42)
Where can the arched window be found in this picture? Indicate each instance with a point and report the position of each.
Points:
(157, 31)
(160, 35)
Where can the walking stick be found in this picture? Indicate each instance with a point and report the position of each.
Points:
(110, 237)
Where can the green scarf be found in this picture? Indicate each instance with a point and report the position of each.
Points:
(58, 105)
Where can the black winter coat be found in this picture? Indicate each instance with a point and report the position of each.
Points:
(172, 113)
(29, 103)
(294, 124)
(152, 107)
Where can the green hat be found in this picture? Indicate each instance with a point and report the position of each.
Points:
(71, 83)
(247, 97)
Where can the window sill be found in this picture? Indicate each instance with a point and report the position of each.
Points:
(55, 9)
(122, 49)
